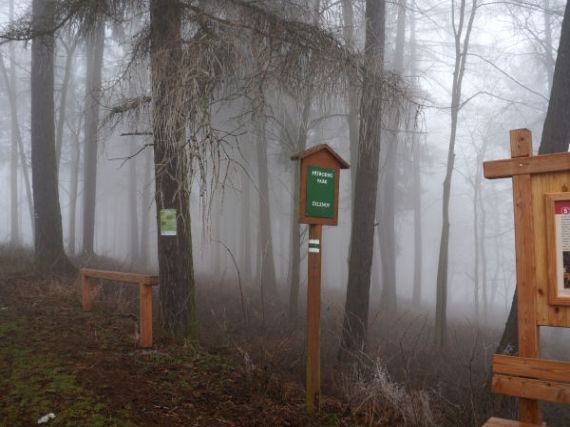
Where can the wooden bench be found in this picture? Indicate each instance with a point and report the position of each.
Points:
(530, 378)
(145, 283)
(501, 422)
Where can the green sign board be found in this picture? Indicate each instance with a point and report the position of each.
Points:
(320, 192)
(168, 222)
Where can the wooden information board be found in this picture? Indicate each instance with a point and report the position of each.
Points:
(318, 205)
(541, 204)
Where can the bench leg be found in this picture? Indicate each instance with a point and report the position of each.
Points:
(145, 338)
(86, 293)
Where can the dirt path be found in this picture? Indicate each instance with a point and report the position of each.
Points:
(86, 369)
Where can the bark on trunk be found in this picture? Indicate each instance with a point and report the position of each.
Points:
(49, 253)
(177, 305)
(95, 47)
(348, 32)
(556, 133)
(67, 73)
(355, 323)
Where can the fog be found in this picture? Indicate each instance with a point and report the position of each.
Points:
(506, 85)
(210, 126)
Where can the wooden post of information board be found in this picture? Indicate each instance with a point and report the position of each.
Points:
(521, 147)
(314, 318)
(318, 206)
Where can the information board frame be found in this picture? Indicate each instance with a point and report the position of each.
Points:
(320, 156)
(558, 238)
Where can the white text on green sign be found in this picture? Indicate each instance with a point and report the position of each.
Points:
(320, 192)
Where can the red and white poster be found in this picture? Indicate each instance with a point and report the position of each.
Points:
(562, 234)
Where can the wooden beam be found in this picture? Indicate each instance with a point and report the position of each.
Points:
(314, 319)
(529, 410)
(540, 369)
(545, 163)
(118, 276)
(145, 301)
(501, 422)
(532, 390)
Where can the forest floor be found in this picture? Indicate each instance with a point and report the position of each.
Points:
(86, 369)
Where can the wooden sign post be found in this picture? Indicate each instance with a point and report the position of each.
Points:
(541, 201)
(318, 206)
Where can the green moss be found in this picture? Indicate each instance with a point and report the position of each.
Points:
(34, 383)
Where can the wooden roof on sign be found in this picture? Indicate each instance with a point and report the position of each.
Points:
(319, 147)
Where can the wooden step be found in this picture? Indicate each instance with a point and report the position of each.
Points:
(501, 422)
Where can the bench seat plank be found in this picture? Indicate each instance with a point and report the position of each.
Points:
(118, 276)
(501, 422)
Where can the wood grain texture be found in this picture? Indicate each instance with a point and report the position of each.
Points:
(551, 183)
(118, 276)
(145, 336)
(527, 367)
(532, 390)
(313, 323)
(501, 422)
(85, 292)
(528, 337)
(545, 163)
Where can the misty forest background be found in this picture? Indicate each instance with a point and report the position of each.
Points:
(113, 110)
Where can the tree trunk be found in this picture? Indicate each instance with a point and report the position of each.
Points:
(348, 32)
(416, 170)
(267, 273)
(73, 192)
(355, 323)
(556, 132)
(49, 253)
(461, 51)
(12, 98)
(386, 228)
(294, 272)
(246, 228)
(67, 73)
(418, 241)
(476, 239)
(133, 205)
(549, 62)
(95, 47)
(14, 217)
(146, 207)
(177, 286)
(294, 246)
(387, 210)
